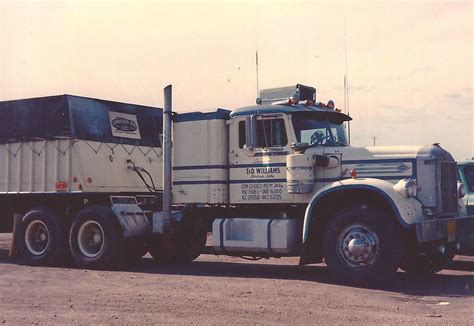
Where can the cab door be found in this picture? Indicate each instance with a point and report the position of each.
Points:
(258, 175)
(318, 136)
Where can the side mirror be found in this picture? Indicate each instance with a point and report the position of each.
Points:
(299, 147)
(251, 132)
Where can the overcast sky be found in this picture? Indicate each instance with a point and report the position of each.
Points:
(410, 64)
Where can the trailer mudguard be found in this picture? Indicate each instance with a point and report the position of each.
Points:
(407, 211)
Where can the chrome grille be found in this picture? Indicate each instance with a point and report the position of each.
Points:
(448, 188)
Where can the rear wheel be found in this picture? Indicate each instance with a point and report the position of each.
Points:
(362, 244)
(95, 238)
(133, 250)
(40, 240)
(417, 262)
(183, 246)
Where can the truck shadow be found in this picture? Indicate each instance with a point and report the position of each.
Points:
(433, 285)
(3, 253)
(460, 284)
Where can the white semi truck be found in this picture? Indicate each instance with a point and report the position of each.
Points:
(99, 181)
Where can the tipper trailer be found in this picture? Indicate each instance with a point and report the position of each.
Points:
(105, 182)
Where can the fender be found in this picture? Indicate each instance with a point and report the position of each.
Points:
(406, 210)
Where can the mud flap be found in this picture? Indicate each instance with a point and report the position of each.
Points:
(159, 226)
(13, 247)
(132, 218)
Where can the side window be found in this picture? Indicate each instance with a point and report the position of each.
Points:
(241, 134)
(270, 133)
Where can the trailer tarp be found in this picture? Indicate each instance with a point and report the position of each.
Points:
(78, 117)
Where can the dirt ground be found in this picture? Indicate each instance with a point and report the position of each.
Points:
(224, 290)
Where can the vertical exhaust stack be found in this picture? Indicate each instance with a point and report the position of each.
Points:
(167, 168)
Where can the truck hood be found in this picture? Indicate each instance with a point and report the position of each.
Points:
(390, 163)
(376, 152)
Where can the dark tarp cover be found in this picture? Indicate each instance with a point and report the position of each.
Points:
(75, 117)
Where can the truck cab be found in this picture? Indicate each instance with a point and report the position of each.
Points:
(294, 151)
(263, 137)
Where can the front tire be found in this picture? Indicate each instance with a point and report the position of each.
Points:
(95, 238)
(40, 240)
(362, 245)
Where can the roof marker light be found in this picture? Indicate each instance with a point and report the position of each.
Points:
(293, 100)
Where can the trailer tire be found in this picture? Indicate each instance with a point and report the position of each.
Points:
(424, 264)
(95, 238)
(362, 245)
(40, 238)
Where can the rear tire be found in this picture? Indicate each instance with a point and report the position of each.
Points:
(183, 246)
(95, 238)
(362, 245)
(39, 237)
(133, 250)
(427, 263)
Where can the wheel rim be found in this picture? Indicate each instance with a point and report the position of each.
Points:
(90, 239)
(358, 246)
(37, 238)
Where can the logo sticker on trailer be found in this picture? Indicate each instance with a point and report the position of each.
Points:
(124, 125)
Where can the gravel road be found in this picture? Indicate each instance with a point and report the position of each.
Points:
(225, 290)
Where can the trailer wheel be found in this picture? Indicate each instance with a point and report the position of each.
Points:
(95, 238)
(427, 263)
(362, 245)
(39, 238)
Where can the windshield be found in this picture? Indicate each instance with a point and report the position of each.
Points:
(319, 132)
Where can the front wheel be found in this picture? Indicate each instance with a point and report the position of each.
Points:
(362, 244)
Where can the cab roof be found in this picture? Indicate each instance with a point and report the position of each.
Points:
(290, 109)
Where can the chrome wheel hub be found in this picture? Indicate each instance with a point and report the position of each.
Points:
(37, 238)
(90, 239)
(358, 246)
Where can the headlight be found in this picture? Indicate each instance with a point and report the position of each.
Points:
(461, 190)
(407, 188)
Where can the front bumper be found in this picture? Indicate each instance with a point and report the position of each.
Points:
(444, 229)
